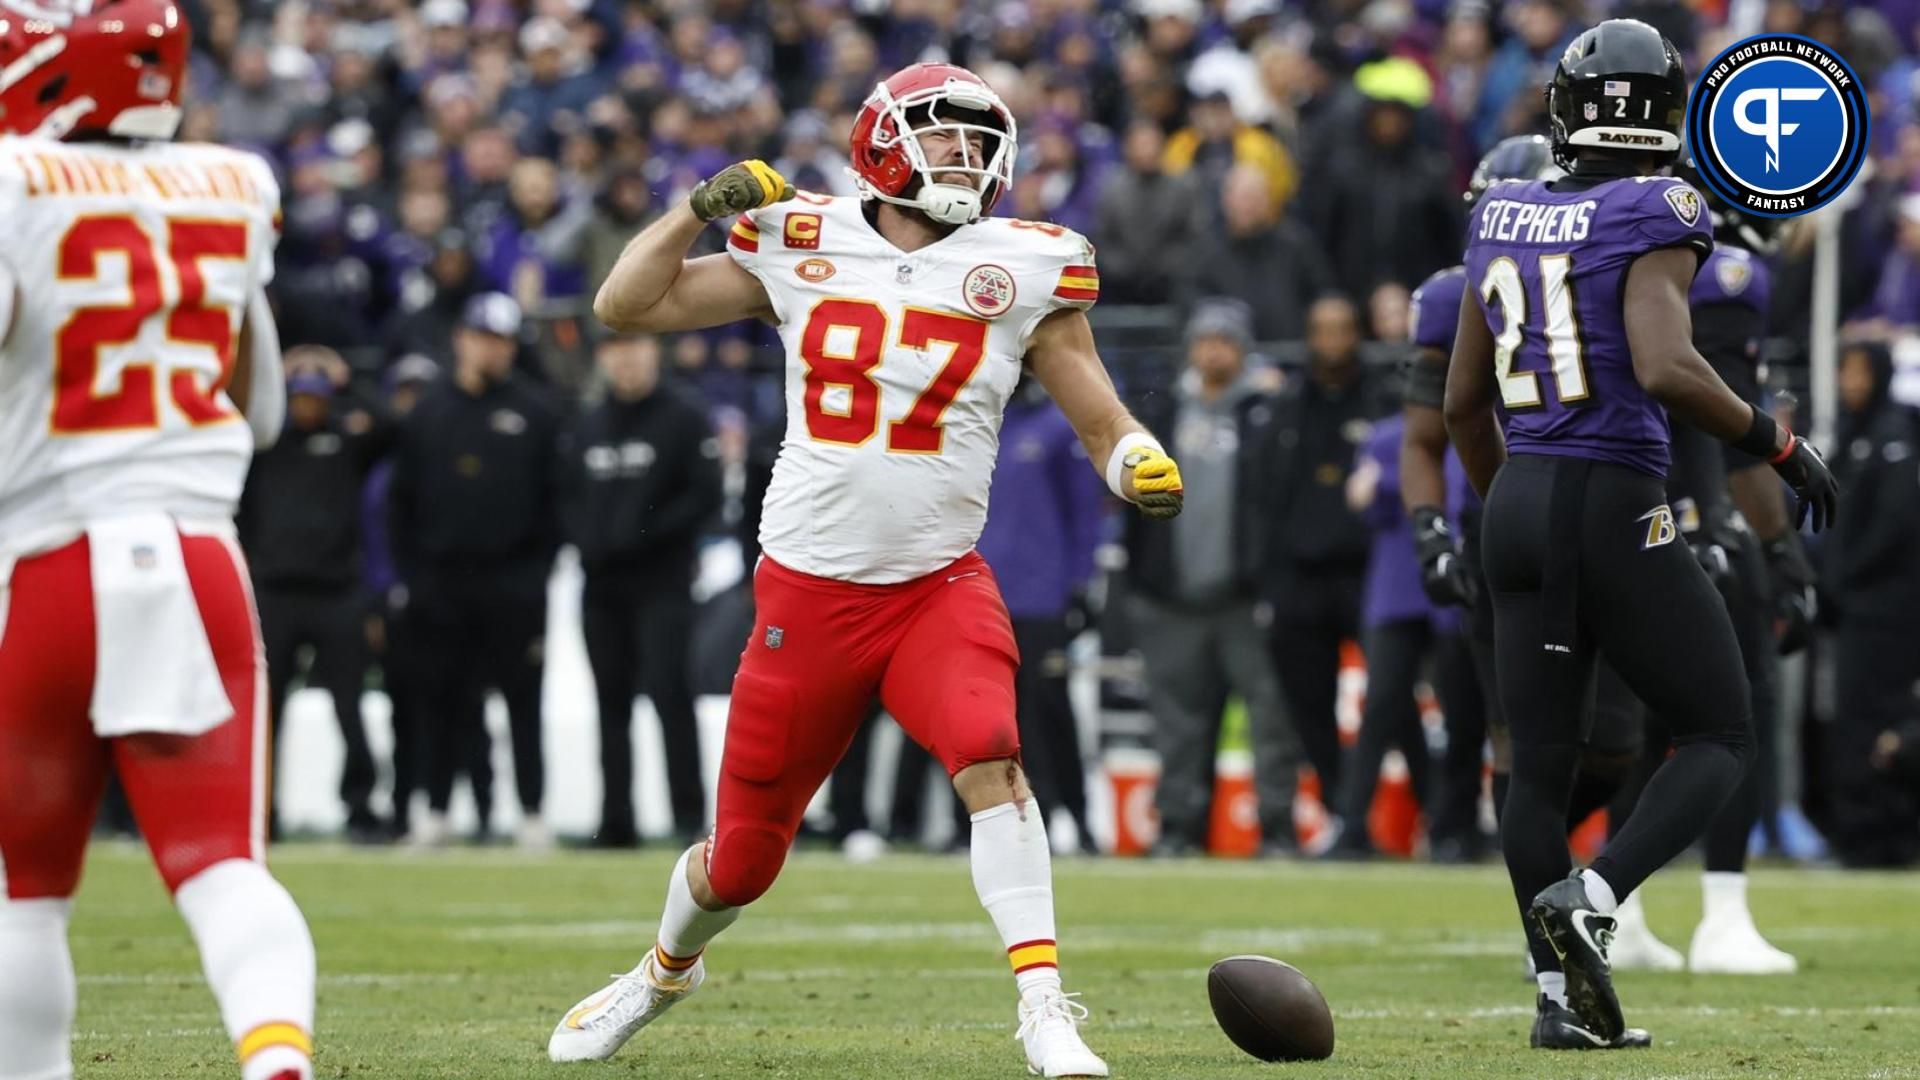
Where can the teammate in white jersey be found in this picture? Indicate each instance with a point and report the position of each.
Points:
(907, 316)
(134, 334)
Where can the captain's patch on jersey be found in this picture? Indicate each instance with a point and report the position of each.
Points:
(803, 231)
(815, 270)
(1733, 275)
(1685, 202)
(1661, 529)
(988, 290)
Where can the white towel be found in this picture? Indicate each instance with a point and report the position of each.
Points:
(154, 670)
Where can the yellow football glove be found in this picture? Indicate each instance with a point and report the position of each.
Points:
(1154, 479)
(742, 186)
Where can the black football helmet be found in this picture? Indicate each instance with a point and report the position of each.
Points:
(1619, 86)
(1519, 157)
(1760, 235)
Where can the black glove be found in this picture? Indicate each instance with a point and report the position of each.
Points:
(1794, 604)
(1805, 471)
(1443, 571)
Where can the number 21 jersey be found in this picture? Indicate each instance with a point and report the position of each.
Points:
(128, 271)
(898, 370)
(1549, 260)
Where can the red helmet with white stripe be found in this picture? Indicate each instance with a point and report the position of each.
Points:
(888, 156)
(111, 67)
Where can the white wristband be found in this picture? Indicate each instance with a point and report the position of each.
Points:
(1117, 461)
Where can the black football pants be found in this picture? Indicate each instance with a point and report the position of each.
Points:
(1583, 557)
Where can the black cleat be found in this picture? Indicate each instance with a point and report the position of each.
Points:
(1556, 1028)
(1580, 936)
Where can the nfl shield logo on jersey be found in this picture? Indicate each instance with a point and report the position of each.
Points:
(775, 636)
(1592, 111)
(988, 290)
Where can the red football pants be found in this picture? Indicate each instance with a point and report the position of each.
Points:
(199, 800)
(938, 650)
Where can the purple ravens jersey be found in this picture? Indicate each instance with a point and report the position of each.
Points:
(1732, 275)
(1550, 267)
(1435, 311)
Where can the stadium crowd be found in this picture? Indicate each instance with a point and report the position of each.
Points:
(1266, 183)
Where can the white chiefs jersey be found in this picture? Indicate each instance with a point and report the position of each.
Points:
(899, 367)
(127, 271)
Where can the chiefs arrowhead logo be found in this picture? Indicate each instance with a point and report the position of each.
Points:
(815, 270)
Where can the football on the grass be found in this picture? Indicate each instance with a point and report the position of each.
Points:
(1269, 1009)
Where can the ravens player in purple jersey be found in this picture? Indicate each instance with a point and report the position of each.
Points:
(1451, 574)
(1574, 343)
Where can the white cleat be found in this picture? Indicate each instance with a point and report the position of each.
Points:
(1050, 1030)
(1635, 948)
(430, 831)
(1729, 944)
(863, 846)
(599, 1026)
(534, 834)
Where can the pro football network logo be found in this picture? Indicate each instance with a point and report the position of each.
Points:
(1778, 124)
(988, 290)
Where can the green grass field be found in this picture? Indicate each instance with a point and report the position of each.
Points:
(457, 964)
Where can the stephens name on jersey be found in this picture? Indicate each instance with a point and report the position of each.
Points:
(134, 266)
(1549, 261)
(899, 367)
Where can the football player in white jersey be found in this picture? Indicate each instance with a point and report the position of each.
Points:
(134, 334)
(907, 316)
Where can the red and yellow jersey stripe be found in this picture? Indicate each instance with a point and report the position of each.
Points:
(1080, 284)
(745, 235)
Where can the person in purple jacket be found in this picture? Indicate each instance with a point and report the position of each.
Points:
(1402, 629)
(1580, 546)
(1044, 519)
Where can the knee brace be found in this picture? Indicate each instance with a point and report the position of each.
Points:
(743, 859)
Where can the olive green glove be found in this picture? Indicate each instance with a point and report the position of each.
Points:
(742, 186)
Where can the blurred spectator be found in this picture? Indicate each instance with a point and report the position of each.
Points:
(1319, 546)
(1060, 184)
(1402, 630)
(1875, 575)
(393, 640)
(546, 101)
(1193, 581)
(1148, 223)
(432, 301)
(1384, 206)
(645, 477)
(475, 523)
(255, 107)
(1510, 101)
(1273, 266)
(533, 253)
(299, 523)
(1218, 141)
(1043, 523)
(623, 208)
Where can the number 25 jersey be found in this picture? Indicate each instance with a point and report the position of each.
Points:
(1549, 261)
(899, 366)
(129, 269)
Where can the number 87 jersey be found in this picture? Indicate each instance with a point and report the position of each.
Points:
(125, 279)
(899, 366)
(1549, 261)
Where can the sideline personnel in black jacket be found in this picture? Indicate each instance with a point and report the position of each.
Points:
(1319, 544)
(644, 470)
(474, 511)
(299, 522)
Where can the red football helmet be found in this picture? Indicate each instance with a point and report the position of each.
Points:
(113, 67)
(887, 155)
